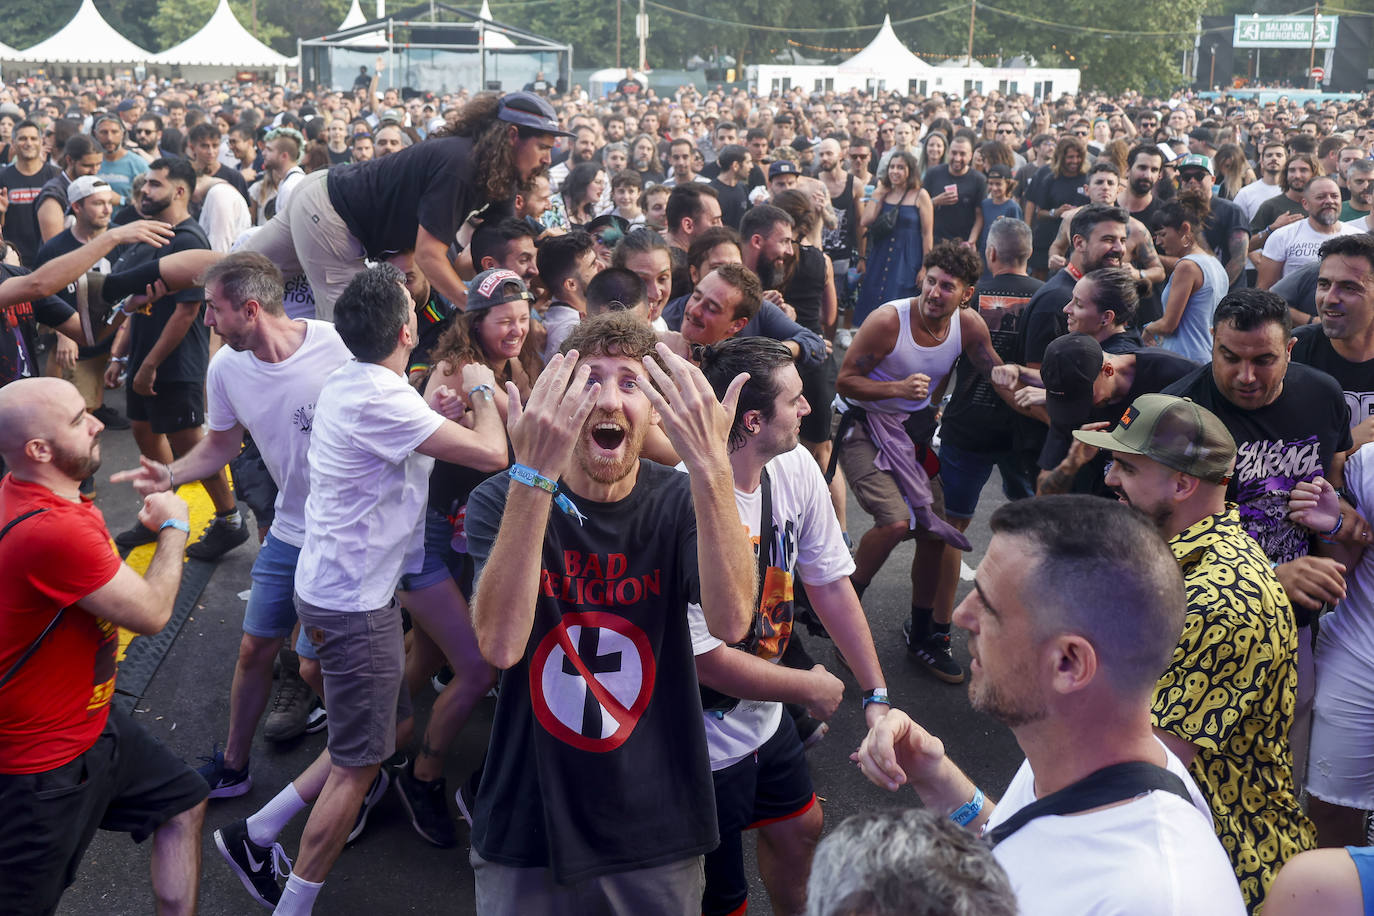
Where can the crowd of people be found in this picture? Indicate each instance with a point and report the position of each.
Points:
(482, 366)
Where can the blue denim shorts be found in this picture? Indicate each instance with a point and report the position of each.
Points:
(965, 473)
(441, 560)
(271, 611)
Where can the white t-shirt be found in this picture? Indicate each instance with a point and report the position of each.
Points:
(224, 216)
(368, 489)
(806, 542)
(559, 321)
(1296, 244)
(1154, 856)
(1252, 195)
(275, 402)
(1351, 624)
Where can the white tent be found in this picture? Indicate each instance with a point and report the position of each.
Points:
(884, 54)
(86, 39)
(222, 43)
(355, 17)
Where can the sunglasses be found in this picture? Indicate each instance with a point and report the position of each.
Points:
(1192, 176)
(860, 157)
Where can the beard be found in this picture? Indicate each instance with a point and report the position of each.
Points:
(603, 469)
(1141, 186)
(75, 465)
(150, 207)
(998, 703)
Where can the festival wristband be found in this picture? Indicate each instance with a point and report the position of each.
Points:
(528, 476)
(176, 523)
(876, 695)
(1329, 537)
(967, 812)
(485, 388)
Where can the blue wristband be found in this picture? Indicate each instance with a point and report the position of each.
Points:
(876, 695)
(176, 523)
(527, 475)
(966, 813)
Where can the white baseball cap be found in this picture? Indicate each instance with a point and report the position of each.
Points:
(85, 186)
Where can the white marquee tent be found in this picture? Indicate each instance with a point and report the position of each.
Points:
(886, 65)
(86, 39)
(221, 47)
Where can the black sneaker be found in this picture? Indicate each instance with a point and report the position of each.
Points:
(317, 720)
(219, 538)
(258, 867)
(223, 781)
(427, 805)
(136, 536)
(111, 418)
(374, 795)
(290, 713)
(934, 653)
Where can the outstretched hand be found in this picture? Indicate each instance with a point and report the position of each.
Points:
(149, 477)
(696, 423)
(896, 749)
(544, 431)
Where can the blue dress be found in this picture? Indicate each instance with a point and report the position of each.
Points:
(892, 264)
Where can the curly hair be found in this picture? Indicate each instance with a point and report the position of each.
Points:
(1061, 149)
(959, 261)
(618, 334)
(491, 146)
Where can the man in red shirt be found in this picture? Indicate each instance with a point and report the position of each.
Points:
(68, 762)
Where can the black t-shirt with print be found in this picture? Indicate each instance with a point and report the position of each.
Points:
(1312, 348)
(66, 242)
(431, 184)
(976, 418)
(1281, 444)
(597, 762)
(21, 219)
(18, 335)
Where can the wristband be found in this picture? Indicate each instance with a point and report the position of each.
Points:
(527, 475)
(119, 359)
(876, 695)
(490, 392)
(1328, 537)
(176, 523)
(171, 480)
(966, 813)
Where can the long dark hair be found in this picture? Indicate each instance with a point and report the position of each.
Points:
(460, 345)
(491, 146)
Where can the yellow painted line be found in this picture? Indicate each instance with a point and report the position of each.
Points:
(202, 511)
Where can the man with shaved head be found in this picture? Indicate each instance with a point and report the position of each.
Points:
(68, 762)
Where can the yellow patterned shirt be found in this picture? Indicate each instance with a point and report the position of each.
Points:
(1231, 690)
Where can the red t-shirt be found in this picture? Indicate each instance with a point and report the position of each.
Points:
(55, 706)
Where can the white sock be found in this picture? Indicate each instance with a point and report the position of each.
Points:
(272, 817)
(298, 897)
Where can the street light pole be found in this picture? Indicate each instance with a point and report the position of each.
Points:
(1312, 53)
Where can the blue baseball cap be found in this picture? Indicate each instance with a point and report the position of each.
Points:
(529, 110)
(783, 167)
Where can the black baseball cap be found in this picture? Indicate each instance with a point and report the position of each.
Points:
(529, 110)
(1071, 364)
(998, 170)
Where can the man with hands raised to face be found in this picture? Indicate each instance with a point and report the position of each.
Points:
(587, 558)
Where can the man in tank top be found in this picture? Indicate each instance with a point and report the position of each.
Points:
(893, 376)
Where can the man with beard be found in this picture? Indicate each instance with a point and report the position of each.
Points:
(1273, 157)
(841, 241)
(583, 150)
(68, 762)
(1225, 231)
(265, 381)
(1103, 184)
(203, 144)
(120, 165)
(766, 243)
(957, 191)
(1295, 246)
(1359, 179)
(586, 561)
(1098, 234)
(1225, 704)
(728, 302)
(1071, 669)
(1282, 209)
(892, 377)
(1289, 422)
(165, 353)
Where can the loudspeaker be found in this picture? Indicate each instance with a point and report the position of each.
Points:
(1350, 63)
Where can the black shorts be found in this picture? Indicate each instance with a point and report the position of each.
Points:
(818, 387)
(177, 406)
(772, 784)
(253, 483)
(127, 782)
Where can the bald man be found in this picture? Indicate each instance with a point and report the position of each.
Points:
(65, 597)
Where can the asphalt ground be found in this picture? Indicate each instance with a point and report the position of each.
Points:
(390, 869)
